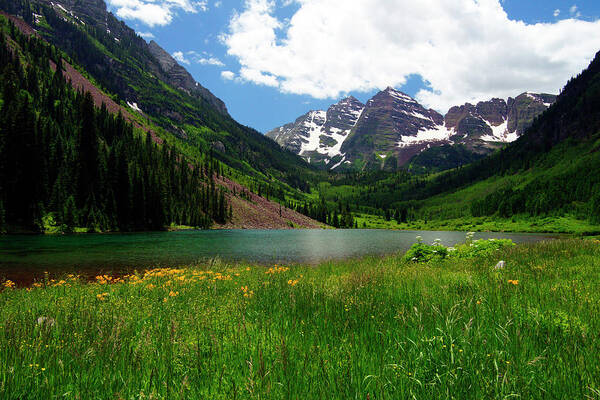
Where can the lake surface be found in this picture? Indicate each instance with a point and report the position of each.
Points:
(24, 257)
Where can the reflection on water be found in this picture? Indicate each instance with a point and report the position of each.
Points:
(27, 255)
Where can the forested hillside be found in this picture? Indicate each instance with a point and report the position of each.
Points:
(187, 115)
(137, 83)
(65, 163)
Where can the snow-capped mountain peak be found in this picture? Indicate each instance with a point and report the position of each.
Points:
(319, 134)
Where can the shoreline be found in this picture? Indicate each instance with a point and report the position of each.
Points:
(430, 227)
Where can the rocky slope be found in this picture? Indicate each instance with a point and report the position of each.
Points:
(318, 135)
(180, 78)
(392, 128)
(257, 212)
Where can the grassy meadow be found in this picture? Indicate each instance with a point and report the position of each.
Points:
(375, 328)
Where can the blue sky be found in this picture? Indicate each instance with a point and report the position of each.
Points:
(286, 57)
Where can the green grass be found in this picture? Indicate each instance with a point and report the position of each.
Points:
(363, 329)
(567, 224)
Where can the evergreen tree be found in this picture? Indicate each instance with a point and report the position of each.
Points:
(69, 217)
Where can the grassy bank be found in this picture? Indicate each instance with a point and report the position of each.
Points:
(520, 223)
(372, 328)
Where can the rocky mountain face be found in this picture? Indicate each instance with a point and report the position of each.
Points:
(181, 79)
(392, 128)
(318, 135)
(392, 125)
(94, 13)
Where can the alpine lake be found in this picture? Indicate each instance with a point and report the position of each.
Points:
(25, 258)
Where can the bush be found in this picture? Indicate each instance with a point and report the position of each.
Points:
(481, 247)
(422, 252)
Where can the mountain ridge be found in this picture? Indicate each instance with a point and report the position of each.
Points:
(393, 127)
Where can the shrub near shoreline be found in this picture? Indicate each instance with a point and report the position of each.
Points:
(369, 328)
(422, 252)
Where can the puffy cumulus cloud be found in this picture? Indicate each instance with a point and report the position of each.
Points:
(466, 50)
(179, 56)
(155, 12)
(227, 75)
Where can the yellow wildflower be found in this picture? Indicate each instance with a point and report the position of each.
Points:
(276, 269)
(173, 294)
(9, 284)
(101, 296)
(513, 282)
(246, 292)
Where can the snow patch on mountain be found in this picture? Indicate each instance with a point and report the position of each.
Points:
(399, 95)
(439, 134)
(500, 133)
(314, 126)
(134, 106)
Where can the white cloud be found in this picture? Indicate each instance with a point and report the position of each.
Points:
(574, 11)
(146, 35)
(467, 50)
(203, 58)
(179, 56)
(210, 61)
(253, 75)
(155, 12)
(556, 12)
(218, 4)
(227, 75)
(202, 5)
